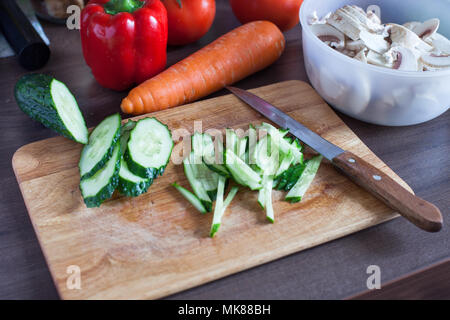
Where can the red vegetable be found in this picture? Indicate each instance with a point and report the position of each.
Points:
(189, 20)
(228, 59)
(284, 13)
(124, 41)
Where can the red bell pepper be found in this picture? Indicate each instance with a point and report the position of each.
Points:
(124, 41)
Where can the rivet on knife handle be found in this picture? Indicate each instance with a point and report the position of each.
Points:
(420, 212)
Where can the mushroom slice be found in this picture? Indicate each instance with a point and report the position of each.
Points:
(314, 19)
(360, 15)
(411, 25)
(439, 42)
(361, 55)
(374, 41)
(406, 38)
(346, 24)
(331, 36)
(404, 59)
(378, 59)
(354, 45)
(436, 60)
(426, 29)
(372, 15)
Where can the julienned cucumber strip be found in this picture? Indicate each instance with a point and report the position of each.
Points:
(191, 172)
(241, 172)
(192, 198)
(204, 144)
(303, 183)
(102, 184)
(149, 148)
(268, 200)
(99, 149)
(216, 223)
(49, 101)
(288, 178)
(218, 209)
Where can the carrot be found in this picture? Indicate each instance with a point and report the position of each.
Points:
(230, 58)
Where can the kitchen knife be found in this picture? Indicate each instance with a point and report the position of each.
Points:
(420, 212)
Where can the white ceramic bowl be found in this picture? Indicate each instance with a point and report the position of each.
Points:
(371, 93)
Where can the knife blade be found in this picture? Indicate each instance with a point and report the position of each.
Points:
(422, 213)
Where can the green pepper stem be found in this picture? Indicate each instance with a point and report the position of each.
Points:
(117, 6)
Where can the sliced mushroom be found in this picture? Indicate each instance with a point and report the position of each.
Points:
(412, 24)
(404, 59)
(314, 19)
(436, 60)
(354, 45)
(404, 37)
(374, 41)
(439, 42)
(360, 15)
(361, 55)
(331, 36)
(373, 14)
(427, 28)
(378, 59)
(346, 24)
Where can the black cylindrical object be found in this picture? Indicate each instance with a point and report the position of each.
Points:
(33, 53)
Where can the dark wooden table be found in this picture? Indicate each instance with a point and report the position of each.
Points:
(419, 154)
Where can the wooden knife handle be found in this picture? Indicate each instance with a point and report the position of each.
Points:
(420, 212)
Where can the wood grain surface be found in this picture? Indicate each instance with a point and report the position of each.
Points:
(157, 244)
(419, 154)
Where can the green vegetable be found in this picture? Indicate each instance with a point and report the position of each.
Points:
(192, 198)
(199, 179)
(102, 184)
(149, 148)
(241, 172)
(99, 149)
(49, 101)
(303, 183)
(130, 184)
(286, 180)
(220, 208)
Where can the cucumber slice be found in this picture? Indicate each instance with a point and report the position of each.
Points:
(50, 102)
(98, 151)
(130, 184)
(267, 156)
(102, 184)
(268, 200)
(303, 183)
(241, 172)
(149, 148)
(192, 198)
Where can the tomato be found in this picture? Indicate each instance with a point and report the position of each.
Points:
(189, 20)
(284, 13)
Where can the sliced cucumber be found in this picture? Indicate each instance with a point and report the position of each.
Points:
(130, 184)
(102, 184)
(210, 159)
(99, 149)
(149, 148)
(197, 184)
(217, 220)
(241, 172)
(288, 178)
(50, 102)
(303, 183)
(192, 198)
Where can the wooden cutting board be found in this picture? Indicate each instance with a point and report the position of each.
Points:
(157, 244)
